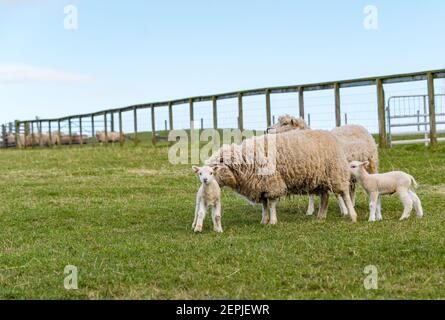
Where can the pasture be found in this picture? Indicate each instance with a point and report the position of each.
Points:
(123, 216)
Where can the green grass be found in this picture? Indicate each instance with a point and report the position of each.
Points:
(123, 217)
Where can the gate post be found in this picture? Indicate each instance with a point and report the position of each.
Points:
(432, 110)
(268, 111)
(337, 105)
(301, 101)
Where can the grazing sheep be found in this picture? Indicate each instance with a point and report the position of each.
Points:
(295, 162)
(111, 136)
(387, 183)
(208, 196)
(357, 144)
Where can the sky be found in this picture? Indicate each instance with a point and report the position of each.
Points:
(131, 52)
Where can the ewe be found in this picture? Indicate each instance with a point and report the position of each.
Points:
(209, 196)
(387, 183)
(355, 141)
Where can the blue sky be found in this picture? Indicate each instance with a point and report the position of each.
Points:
(128, 52)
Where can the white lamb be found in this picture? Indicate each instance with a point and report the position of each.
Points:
(209, 196)
(387, 183)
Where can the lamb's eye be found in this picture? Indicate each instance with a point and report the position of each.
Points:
(211, 174)
(200, 174)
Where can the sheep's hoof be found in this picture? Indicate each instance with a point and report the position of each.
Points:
(218, 230)
(264, 222)
(273, 222)
(403, 218)
(198, 228)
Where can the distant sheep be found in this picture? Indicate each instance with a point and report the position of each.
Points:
(208, 196)
(357, 144)
(387, 183)
(110, 136)
(306, 162)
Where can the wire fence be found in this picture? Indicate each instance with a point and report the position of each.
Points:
(323, 105)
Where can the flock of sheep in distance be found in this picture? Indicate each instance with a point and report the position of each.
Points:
(59, 138)
(305, 162)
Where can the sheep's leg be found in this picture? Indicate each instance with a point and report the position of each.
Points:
(417, 203)
(379, 209)
(310, 207)
(323, 209)
(407, 203)
(216, 218)
(265, 212)
(373, 204)
(341, 204)
(352, 193)
(201, 215)
(273, 212)
(347, 199)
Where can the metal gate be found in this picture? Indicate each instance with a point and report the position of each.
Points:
(408, 117)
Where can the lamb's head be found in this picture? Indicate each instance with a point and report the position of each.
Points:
(357, 167)
(224, 176)
(287, 123)
(205, 174)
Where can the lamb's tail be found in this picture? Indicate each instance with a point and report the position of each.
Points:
(414, 183)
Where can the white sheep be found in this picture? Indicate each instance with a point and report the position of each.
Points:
(387, 183)
(208, 196)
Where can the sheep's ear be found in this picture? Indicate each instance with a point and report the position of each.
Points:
(216, 169)
(195, 169)
(365, 163)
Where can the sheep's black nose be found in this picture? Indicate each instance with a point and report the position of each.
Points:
(267, 130)
(205, 180)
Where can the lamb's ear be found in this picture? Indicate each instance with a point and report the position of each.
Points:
(365, 164)
(195, 169)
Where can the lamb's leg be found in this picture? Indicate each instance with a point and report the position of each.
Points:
(196, 216)
(323, 209)
(201, 215)
(417, 203)
(373, 204)
(379, 209)
(216, 217)
(341, 204)
(310, 207)
(265, 212)
(347, 198)
(273, 212)
(407, 203)
(352, 193)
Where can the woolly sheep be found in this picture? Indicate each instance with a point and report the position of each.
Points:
(387, 183)
(208, 196)
(111, 136)
(305, 162)
(356, 142)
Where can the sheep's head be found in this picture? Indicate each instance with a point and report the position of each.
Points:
(205, 174)
(355, 167)
(224, 176)
(287, 123)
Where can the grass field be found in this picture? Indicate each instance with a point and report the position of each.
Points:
(123, 217)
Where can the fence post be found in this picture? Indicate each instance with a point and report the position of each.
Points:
(135, 120)
(93, 134)
(70, 131)
(17, 134)
(153, 129)
(50, 135)
(240, 112)
(337, 105)
(215, 112)
(268, 111)
(112, 122)
(301, 101)
(80, 131)
(192, 116)
(105, 128)
(170, 115)
(121, 132)
(432, 110)
(59, 132)
(383, 142)
(40, 134)
(26, 138)
(5, 144)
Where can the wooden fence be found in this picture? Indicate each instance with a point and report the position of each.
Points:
(109, 124)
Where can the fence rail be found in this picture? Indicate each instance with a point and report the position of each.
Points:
(109, 114)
